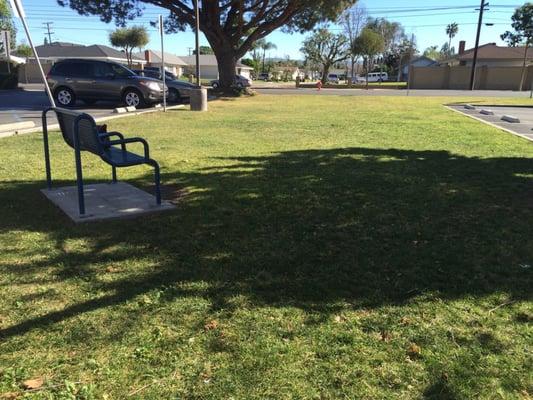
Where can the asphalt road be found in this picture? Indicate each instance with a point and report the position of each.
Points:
(393, 92)
(27, 105)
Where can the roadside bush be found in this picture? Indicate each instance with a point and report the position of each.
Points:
(9, 81)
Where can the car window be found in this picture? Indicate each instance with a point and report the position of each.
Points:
(102, 70)
(121, 71)
(76, 69)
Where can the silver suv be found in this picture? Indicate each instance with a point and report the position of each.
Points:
(92, 81)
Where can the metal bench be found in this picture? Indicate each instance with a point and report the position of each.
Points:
(80, 132)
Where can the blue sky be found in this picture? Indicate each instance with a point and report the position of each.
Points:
(423, 20)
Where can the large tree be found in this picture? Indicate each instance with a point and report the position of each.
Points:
(230, 26)
(325, 48)
(522, 35)
(129, 39)
(353, 21)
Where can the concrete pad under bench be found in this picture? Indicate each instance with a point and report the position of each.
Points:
(104, 201)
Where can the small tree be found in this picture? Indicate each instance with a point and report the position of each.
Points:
(523, 33)
(325, 48)
(451, 30)
(353, 21)
(129, 39)
(6, 21)
(266, 46)
(204, 50)
(369, 44)
(24, 50)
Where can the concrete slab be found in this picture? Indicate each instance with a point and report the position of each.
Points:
(487, 112)
(511, 118)
(104, 201)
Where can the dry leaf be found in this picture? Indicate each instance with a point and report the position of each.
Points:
(9, 396)
(405, 321)
(339, 319)
(35, 383)
(386, 336)
(414, 350)
(112, 270)
(211, 325)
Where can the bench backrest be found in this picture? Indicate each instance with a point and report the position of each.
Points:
(87, 131)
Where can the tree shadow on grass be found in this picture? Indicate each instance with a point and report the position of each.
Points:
(311, 229)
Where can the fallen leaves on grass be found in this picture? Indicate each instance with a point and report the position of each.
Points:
(340, 319)
(414, 351)
(33, 384)
(9, 396)
(211, 325)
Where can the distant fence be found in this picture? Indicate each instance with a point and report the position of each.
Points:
(458, 78)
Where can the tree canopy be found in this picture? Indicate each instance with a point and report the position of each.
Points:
(325, 48)
(129, 39)
(6, 21)
(522, 25)
(230, 26)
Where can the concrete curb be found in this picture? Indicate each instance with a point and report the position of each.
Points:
(16, 127)
(101, 119)
(501, 128)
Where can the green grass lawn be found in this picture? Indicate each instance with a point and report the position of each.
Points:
(322, 248)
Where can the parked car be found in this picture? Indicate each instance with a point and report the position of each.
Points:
(333, 78)
(177, 90)
(92, 81)
(239, 82)
(264, 76)
(378, 77)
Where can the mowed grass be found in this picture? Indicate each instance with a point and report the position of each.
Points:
(322, 248)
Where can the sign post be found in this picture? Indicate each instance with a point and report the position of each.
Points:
(162, 33)
(5, 49)
(18, 10)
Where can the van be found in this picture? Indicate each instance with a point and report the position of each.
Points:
(378, 77)
(333, 78)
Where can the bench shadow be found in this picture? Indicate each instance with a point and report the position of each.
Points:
(310, 229)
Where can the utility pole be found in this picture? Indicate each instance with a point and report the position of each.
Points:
(48, 32)
(474, 61)
(197, 40)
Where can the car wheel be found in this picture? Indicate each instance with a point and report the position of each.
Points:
(174, 96)
(133, 98)
(215, 85)
(65, 97)
(240, 85)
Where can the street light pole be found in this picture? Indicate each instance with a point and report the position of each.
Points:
(474, 61)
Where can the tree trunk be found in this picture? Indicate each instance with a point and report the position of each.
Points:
(227, 64)
(264, 55)
(325, 74)
(523, 76)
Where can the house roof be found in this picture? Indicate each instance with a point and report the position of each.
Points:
(155, 57)
(72, 50)
(423, 58)
(491, 51)
(208, 60)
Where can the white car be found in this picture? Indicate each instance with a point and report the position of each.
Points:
(378, 77)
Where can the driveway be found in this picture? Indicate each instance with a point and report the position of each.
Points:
(391, 92)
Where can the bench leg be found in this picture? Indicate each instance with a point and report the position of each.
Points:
(157, 178)
(79, 178)
(114, 172)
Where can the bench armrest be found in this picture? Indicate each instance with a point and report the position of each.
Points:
(107, 135)
(123, 142)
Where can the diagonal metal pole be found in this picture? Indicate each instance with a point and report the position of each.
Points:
(20, 12)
